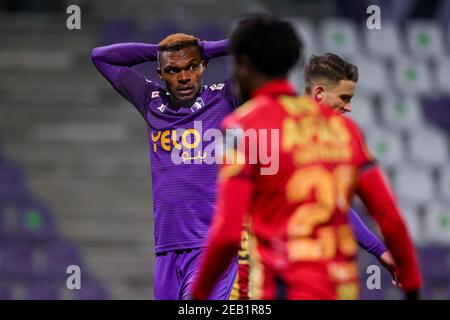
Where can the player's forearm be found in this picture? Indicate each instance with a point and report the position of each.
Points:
(364, 236)
(214, 49)
(379, 200)
(126, 54)
(112, 60)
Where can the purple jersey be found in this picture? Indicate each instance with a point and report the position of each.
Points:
(184, 194)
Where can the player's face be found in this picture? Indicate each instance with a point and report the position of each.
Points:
(337, 96)
(182, 72)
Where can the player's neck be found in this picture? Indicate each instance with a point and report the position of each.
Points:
(176, 104)
(261, 80)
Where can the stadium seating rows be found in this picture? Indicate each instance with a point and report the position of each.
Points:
(34, 256)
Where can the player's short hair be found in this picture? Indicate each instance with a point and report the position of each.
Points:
(178, 41)
(272, 45)
(329, 67)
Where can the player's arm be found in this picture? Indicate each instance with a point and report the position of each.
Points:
(115, 59)
(214, 49)
(375, 192)
(369, 241)
(115, 63)
(379, 200)
(364, 236)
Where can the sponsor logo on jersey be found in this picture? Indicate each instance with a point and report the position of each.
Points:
(218, 86)
(162, 107)
(198, 104)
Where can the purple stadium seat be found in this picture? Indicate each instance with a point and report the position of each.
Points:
(29, 221)
(91, 290)
(8, 169)
(12, 182)
(26, 220)
(434, 264)
(60, 255)
(41, 290)
(35, 221)
(12, 191)
(16, 261)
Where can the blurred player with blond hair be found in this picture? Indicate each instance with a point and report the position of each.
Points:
(331, 80)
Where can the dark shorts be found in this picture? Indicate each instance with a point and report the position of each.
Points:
(175, 273)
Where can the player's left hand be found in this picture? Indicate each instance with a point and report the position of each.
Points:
(388, 262)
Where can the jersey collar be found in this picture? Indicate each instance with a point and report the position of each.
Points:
(275, 88)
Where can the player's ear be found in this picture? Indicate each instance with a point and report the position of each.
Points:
(242, 66)
(158, 71)
(204, 64)
(318, 93)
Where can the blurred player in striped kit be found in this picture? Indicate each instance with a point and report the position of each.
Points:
(305, 245)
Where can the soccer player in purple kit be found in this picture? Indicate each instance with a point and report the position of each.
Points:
(183, 194)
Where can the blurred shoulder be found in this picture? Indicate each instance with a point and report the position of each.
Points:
(249, 112)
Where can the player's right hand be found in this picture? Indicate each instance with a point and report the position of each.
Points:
(388, 262)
